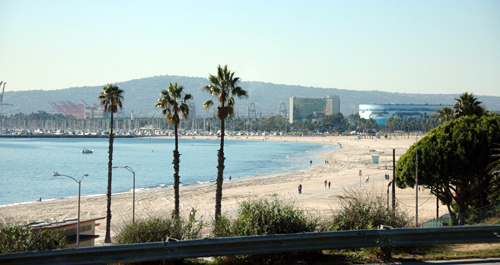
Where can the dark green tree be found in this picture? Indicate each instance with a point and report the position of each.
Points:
(494, 166)
(223, 87)
(174, 103)
(453, 161)
(111, 99)
(494, 170)
(334, 122)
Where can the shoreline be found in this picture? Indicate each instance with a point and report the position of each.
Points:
(213, 140)
(342, 171)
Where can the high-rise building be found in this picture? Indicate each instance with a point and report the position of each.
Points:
(302, 109)
(192, 111)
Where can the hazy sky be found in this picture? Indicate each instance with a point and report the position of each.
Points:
(397, 46)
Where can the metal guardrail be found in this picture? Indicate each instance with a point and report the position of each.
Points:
(259, 245)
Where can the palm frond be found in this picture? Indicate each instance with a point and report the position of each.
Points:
(495, 165)
(208, 104)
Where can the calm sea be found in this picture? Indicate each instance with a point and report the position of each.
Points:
(27, 165)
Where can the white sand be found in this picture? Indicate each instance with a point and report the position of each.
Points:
(342, 171)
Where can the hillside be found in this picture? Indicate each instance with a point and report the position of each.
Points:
(142, 94)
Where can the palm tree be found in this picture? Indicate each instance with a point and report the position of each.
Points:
(390, 122)
(445, 114)
(111, 99)
(224, 87)
(174, 102)
(467, 105)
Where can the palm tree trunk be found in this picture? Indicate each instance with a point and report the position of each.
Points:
(107, 239)
(176, 173)
(220, 174)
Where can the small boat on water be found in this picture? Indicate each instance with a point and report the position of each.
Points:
(86, 151)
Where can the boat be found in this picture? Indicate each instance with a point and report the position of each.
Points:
(86, 151)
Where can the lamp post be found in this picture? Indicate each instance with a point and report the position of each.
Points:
(133, 189)
(79, 192)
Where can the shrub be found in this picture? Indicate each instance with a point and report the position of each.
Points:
(271, 218)
(265, 218)
(362, 210)
(19, 239)
(223, 228)
(365, 210)
(158, 229)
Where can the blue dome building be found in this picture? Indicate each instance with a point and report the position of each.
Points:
(381, 112)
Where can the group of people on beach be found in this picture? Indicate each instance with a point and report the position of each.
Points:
(327, 183)
(191, 213)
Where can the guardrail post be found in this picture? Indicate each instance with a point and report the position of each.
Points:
(386, 253)
(385, 248)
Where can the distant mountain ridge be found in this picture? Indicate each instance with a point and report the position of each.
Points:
(141, 95)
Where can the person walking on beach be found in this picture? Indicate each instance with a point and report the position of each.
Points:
(300, 188)
(326, 182)
(229, 177)
(329, 183)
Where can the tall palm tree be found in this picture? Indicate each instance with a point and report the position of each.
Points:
(224, 87)
(111, 99)
(467, 105)
(174, 102)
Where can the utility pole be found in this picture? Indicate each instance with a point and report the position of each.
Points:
(437, 204)
(394, 179)
(416, 183)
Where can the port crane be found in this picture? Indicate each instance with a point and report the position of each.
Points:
(1, 97)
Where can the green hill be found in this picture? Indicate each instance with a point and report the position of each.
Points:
(142, 94)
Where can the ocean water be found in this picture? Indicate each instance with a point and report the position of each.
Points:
(27, 165)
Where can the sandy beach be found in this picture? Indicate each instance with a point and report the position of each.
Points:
(342, 170)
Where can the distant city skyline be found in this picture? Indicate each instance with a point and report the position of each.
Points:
(426, 47)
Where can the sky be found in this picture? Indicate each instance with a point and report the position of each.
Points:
(426, 47)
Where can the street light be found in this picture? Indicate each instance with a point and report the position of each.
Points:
(79, 189)
(133, 189)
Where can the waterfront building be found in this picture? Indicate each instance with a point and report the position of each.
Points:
(68, 229)
(302, 109)
(95, 113)
(381, 112)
